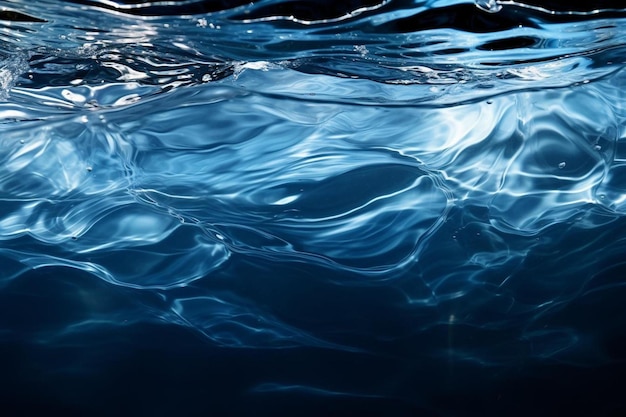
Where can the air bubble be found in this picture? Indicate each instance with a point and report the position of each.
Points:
(362, 50)
(562, 165)
(489, 6)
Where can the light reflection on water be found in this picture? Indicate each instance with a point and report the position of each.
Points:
(239, 177)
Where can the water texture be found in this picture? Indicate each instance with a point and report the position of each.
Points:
(395, 197)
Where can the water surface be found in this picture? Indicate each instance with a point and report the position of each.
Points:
(277, 207)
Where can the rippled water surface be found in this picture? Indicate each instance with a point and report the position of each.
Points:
(388, 208)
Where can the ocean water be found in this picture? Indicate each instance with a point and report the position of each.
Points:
(293, 207)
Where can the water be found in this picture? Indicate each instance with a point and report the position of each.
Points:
(385, 208)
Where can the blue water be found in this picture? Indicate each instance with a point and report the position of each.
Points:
(373, 208)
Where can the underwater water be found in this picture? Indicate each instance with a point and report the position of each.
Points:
(294, 207)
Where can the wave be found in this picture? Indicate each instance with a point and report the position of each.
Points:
(251, 170)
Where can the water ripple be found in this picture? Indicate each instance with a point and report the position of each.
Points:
(338, 176)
